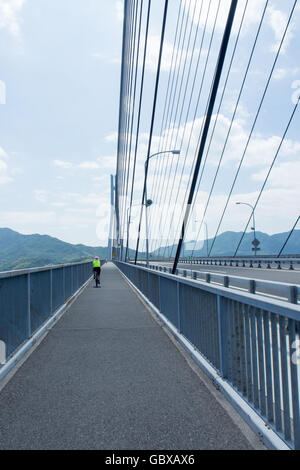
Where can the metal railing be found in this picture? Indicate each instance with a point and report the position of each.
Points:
(29, 297)
(260, 262)
(251, 341)
(277, 290)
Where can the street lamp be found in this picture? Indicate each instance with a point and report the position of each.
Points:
(148, 202)
(255, 241)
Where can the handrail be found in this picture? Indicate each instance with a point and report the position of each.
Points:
(277, 290)
(21, 272)
(250, 340)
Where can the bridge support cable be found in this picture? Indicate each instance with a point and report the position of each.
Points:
(132, 120)
(173, 65)
(254, 124)
(170, 135)
(152, 120)
(212, 100)
(193, 123)
(192, 93)
(290, 234)
(129, 109)
(118, 189)
(196, 110)
(130, 22)
(268, 175)
(161, 163)
(138, 125)
(230, 127)
(172, 119)
(167, 93)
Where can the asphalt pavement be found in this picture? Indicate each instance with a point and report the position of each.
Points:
(107, 376)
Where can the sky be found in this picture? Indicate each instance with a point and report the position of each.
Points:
(60, 65)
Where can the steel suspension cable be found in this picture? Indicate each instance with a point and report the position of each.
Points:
(212, 99)
(133, 106)
(130, 109)
(194, 84)
(268, 174)
(168, 144)
(152, 119)
(254, 124)
(131, 20)
(198, 102)
(118, 188)
(230, 126)
(162, 137)
(167, 93)
(138, 121)
(195, 112)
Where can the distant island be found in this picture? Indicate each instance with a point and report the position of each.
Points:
(18, 251)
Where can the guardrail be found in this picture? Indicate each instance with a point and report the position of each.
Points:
(266, 262)
(251, 341)
(277, 290)
(29, 297)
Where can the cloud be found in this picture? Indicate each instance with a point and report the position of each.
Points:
(254, 11)
(40, 195)
(285, 175)
(10, 15)
(25, 219)
(107, 58)
(4, 170)
(89, 165)
(101, 163)
(59, 204)
(62, 164)
(119, 10)
(278, 22)
(282, 73)
(276, 18)
(112, 137)
(107, 163)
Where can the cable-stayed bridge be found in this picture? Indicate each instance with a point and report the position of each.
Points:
(197, 114)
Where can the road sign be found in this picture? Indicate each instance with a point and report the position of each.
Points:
(256, 242)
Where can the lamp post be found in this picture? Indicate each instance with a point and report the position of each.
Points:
(148, 202)
(255, 242)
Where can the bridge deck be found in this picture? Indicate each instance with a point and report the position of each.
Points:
(107, 376)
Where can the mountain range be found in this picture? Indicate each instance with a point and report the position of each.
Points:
(19, 251)
(227, 242)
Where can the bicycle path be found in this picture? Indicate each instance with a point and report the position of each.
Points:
(107, 376)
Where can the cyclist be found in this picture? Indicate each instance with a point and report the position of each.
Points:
(97, 269)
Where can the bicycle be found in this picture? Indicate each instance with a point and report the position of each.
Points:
(97, 281)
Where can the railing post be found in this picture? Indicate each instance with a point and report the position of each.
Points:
(51, 292)
(293, 294)
(28, 307)
(178, 307)
(159, 292)
(294, 370)
(252, 286)
(64, 283)
(223, 335)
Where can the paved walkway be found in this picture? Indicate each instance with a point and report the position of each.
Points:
(108, 377)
